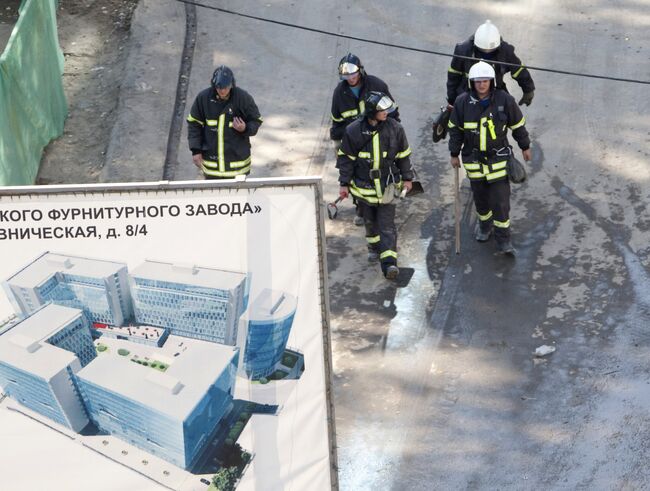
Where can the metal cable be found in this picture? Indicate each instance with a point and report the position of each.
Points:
(410, 48)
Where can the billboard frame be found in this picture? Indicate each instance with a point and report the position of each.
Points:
(253, 183)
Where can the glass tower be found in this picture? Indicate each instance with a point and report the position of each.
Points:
(269, 323)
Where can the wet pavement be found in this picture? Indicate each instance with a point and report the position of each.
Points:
(435, 381)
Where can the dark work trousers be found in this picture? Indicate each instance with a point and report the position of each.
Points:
(357, 209)
(492, 200)
(381, 233)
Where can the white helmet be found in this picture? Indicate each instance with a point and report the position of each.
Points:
(481, 70)
(487, 37)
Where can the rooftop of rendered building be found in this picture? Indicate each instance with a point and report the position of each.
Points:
(24, 346)
(270, 305)
(193, 366)
(189, 275)
(133, 330)
(46, 265)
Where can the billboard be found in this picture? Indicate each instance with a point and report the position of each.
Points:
(165, 336)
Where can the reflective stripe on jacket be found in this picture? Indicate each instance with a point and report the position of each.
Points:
(346, 107)
(481, 133)
(226, 152)
(371, 157)
(457, 72)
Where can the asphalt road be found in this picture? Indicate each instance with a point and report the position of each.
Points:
(436, 386)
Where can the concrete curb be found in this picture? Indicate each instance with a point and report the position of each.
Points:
(138, 144)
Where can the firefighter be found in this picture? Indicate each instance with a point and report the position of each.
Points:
(220, 124)
(374, 165)
(487, 45)
(478, 129)
(348, 100)
(350, 94)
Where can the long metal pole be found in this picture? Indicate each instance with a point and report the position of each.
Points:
(457, 209)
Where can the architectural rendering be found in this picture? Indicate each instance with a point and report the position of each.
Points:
(149, 355)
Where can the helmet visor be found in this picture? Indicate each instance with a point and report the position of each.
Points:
(386, 104)
(223, 83)
(480, 79)
(222, 79)
(347, 70)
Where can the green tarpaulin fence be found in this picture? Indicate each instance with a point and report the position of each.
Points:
(32, 102)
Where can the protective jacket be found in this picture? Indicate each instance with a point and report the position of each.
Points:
(457, 73)
(226, 152)
(482, 133)
(371, 157)
(346, 107)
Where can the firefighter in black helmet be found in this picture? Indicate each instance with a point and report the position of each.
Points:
(220, 124)
(348, 100)
(374, 165)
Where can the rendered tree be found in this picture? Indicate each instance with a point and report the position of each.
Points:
(225, 479)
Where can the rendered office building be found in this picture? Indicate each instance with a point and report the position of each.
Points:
(195, 302)
(39, 357)
(268, 324)
(171, 414)
(99, 288)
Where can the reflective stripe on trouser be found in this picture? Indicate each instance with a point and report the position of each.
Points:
(380, 222)
(491, 172)
(492, 199)
(212, 170)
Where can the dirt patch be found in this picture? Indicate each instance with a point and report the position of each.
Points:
(8, 17)
(94, 36)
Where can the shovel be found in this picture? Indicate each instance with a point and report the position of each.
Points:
(332, 209)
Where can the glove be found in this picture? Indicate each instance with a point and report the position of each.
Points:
(527, 98)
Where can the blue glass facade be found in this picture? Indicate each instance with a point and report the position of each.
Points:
(40, 355)
(208, 413)
(88, 294)
(265, 344)
(209, 314)
(176, 441)
(76, 337)
(134, 423)
(32, 392)
(99, 288)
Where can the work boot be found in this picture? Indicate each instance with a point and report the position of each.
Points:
(392, 272)
(506, 247)
(359, 221)
(483, 231)
(373, 256)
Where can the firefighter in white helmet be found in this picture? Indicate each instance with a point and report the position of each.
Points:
(486, 44)
(478, 129)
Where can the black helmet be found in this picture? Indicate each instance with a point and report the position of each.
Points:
(349, 65)
(378, 101)
(222, 78)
